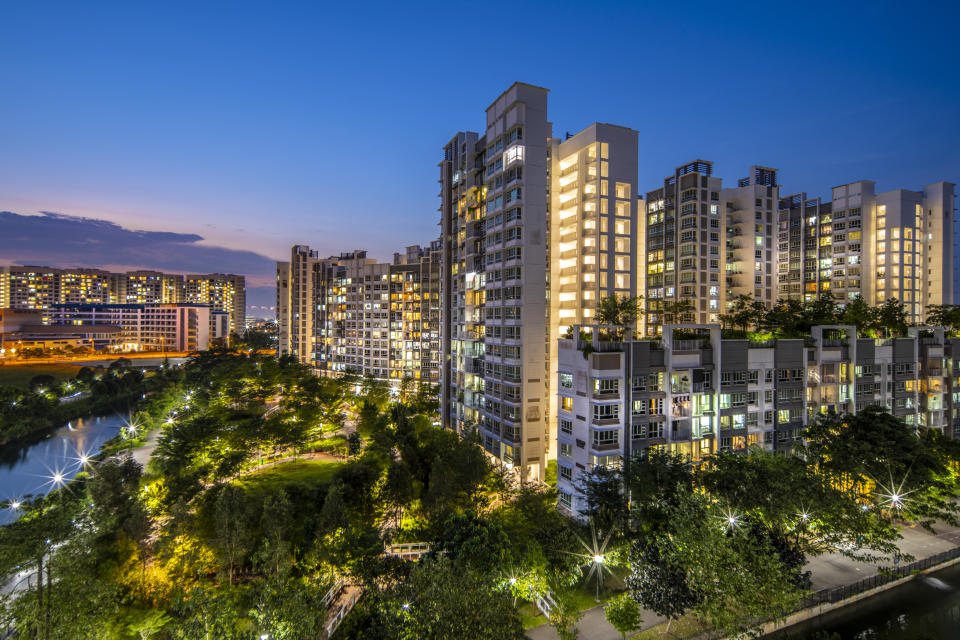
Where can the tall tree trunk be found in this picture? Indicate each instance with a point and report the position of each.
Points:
(49, 595)
(39, 592)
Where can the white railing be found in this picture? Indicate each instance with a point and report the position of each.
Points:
(332, 594)
(342, 613)
(545, 603)
(407, 550)
(272, 410)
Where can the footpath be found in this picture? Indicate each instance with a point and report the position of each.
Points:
(828, 571)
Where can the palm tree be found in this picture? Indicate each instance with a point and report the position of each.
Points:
(618, 311)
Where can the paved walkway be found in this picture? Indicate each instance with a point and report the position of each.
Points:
(829, 570)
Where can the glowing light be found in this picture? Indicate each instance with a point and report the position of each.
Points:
(893, 495)
(598, 559)
(406, 606)
(513, 581)
(15, 505)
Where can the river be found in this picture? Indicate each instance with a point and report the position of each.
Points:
(31, 469)
(926, 608)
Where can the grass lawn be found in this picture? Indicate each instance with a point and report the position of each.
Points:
(686, 627)
(298, 472)
(584, 595)
(15, 375)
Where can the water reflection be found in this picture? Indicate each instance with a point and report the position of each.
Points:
(36, 468)
(926, 608)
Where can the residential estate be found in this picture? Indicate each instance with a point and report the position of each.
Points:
(36, 287)
(536, 228)
(693, 392)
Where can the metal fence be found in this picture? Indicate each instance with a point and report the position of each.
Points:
(836, 594)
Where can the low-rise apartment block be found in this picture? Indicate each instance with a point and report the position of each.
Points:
(693, 393)
(148, 327)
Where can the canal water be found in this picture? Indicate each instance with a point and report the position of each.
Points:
(926, 608)
(30, 469)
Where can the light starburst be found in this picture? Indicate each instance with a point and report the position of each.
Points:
(730, 519)
(596, 555)
(893, 495)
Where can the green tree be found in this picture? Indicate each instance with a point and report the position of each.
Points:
(623, 612)
(861, 315)
(565, 616)
(275, 524)
(149, 623)
(877, 456)
(657, 580)
(232, 531)
(398, 490)
(678, 311)
(743, 312)
(471, 540)
(354, 444)
(618, 311)
(439, 601)
(892, 317)
(944, 315)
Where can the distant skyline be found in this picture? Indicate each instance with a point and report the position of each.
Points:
(256, 126)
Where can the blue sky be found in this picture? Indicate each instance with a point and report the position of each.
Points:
(259, 125)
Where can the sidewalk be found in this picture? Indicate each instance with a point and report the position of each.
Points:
(828, 571)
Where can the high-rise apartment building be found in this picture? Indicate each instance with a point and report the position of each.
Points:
(706, 244)
(415, 314)
(897, 244)
(223, 292)
(150, 287)
(593, 233)
(353, 314)
(798, 249)
(494, 220)
(149, 326)
(750, 211)
(29, 287)
(685, 248)
(87, 286)
(536, 230)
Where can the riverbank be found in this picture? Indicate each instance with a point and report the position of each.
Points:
(829, 572)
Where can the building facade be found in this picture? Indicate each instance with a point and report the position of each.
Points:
(495, 223)
(706, 244)
(353, 314)
(223, 292)
(32, 287)
(148, 327)
(693, 393)
(879, 247)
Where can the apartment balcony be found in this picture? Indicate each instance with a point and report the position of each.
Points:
(690, 345)
(606, 447)
(610, 395)
(605, 422)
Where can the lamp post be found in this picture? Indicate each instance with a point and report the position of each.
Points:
(598, 565)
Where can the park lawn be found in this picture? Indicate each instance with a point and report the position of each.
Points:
(584, 595)
(312, 472)
(686, 627)
(15, 375)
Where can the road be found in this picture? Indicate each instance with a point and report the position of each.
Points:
(830, 570)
